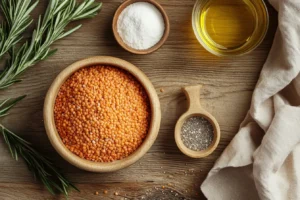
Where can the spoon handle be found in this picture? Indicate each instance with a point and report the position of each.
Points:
(193, 95)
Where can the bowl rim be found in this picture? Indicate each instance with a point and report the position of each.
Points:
(231, 53)
(130, 49)
(52, 133)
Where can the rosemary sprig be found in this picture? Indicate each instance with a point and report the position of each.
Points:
(49, 29)
(17, 15)
(41, 167)
(7, 104)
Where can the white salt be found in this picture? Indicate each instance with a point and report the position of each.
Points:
(141, 25)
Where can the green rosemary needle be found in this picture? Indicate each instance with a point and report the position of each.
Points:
(42, 169)
(17, 17)
(49, 29)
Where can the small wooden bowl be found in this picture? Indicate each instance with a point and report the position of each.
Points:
(195, 109)
(128, 48)
(55, 138)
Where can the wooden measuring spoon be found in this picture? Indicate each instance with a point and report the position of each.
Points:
(195, 109)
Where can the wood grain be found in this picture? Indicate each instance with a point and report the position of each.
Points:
(229, 83)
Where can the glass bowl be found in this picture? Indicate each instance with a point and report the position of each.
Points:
(260, 27)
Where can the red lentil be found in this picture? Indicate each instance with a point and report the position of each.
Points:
(102, 113)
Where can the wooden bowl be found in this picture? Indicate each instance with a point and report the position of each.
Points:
(90, 165)
(128, 48)
(195, 109)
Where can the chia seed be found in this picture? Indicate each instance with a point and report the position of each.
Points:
(197, 133)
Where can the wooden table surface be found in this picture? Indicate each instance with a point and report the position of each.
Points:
(228, 86)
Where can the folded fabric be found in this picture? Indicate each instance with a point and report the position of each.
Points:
(263, 159)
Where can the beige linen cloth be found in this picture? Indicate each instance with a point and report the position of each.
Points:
(263, 159)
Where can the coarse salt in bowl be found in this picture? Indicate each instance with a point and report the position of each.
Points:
(141, 26)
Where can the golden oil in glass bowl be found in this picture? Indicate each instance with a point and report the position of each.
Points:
(230, 27)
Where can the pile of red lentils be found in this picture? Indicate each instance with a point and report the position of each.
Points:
(102, 113)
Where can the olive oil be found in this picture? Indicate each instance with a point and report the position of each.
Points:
(230, 27)
(228, 23)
